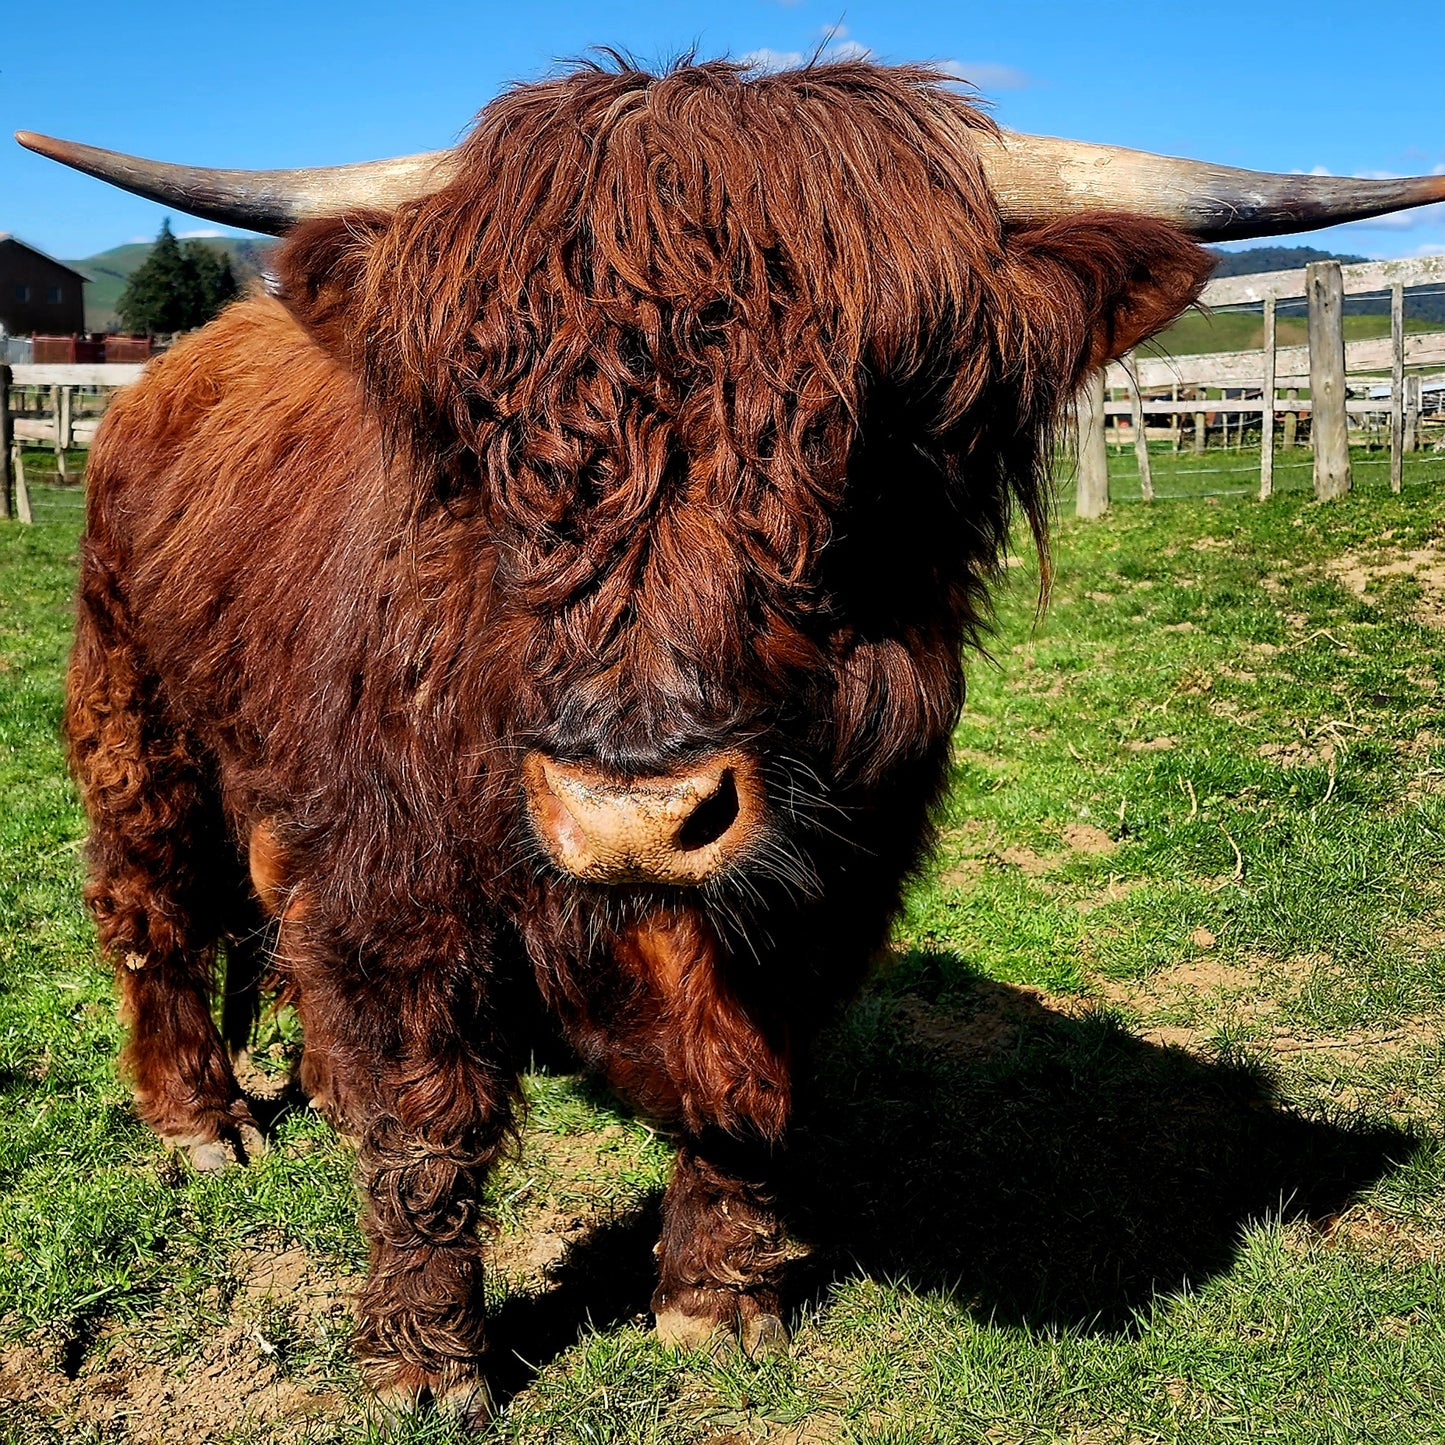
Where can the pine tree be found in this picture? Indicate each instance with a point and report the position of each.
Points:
(154, 298)
(176, 288)
(213, 283)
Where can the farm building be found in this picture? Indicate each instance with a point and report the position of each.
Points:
(38, 293)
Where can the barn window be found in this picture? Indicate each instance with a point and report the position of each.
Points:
(22, 293)
(52, 294)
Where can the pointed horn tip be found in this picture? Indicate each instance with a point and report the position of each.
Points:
(43, 145)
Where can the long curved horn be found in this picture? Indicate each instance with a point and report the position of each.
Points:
(1037, 177)
(1033, 178)
(269, 201)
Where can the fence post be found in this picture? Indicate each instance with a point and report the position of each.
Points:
(1266, 417)
(55, 405)
(1412, 413)
(1093, 467)
(7, 436)
(1329, 421)
(65, 426)
(1291, 422)
(1141, 437)
(1201, 427)
(1397, 386)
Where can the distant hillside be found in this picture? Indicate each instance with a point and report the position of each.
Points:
(110, 270)
(1258, 259)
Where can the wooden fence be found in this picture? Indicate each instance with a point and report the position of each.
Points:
(1324, 367)
(58, 427)
(1327, 367)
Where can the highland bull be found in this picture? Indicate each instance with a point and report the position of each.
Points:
(555, 593)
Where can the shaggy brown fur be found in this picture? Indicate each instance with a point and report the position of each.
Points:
(692, 414)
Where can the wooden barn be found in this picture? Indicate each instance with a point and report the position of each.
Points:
(38, 293)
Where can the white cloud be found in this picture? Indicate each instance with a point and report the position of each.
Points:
(766, 59)
(1402, 220)
(985, 74)
(836, 48)
(834, 32)
(838, 44)
(205, 233)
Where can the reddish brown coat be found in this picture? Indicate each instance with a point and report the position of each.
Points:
(693, 415)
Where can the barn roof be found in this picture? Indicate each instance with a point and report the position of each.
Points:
(36, 251)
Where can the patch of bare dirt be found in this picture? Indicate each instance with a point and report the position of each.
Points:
(530, 1256)
(1035, 865)
(999, 1013)
(1426, 565)
(238, 1375)
(1364, 1229)
(963, 874)
(1085, 838)
(1077, 838)
(1360, 1044)
(1151, 745)
(1248, 992)
(1298, 754)
(1190, 979)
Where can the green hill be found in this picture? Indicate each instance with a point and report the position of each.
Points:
(1365, 316)
(108, 272)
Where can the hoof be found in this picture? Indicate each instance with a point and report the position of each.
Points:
(238, 1144)
(764, 1337)
(463, 1399)
(695, 1334)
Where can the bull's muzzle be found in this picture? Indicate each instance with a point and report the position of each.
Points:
(679, 828)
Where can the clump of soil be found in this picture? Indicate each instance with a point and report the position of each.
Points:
(1085, 838)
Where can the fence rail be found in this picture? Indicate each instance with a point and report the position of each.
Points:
(61, 429)
(1327, 367)
(1291, 363)
(1362, 278)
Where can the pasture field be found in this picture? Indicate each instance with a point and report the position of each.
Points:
(1136, 1136)
(1199, 331)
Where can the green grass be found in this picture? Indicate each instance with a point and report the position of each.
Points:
(1197, 332)
(1135, 1137)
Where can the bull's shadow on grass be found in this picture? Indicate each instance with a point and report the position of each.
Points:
(606, 1279)
(961, 1136)
(1047, 1169)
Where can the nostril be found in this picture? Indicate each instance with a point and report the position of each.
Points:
(711, 819)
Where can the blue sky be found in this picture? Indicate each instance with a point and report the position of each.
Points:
(1314, 85)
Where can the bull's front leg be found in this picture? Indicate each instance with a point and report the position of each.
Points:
(430, 1094)
(723, 1249)
(716, 1067)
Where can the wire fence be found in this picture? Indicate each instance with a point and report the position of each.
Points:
(1177, 477)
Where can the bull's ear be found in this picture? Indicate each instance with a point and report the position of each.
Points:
(320, 277)
(1108, 282)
